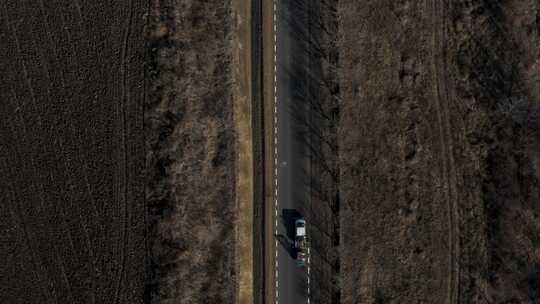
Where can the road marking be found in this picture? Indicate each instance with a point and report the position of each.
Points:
(275, 153)
(308, 271)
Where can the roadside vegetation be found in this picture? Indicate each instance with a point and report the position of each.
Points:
(438, 144)
(324, 99)
(190, 144)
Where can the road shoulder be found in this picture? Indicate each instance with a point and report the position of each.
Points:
(244, 168)
(268, 97)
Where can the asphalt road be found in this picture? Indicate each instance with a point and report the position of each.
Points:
(290, 151)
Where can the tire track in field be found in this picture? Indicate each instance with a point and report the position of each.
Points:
(443, 96)
(18, 219)
(123, 167)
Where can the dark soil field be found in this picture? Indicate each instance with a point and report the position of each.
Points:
(72, 215)
(439, 151)
(91, 94)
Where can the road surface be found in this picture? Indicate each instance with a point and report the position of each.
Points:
(291, 160)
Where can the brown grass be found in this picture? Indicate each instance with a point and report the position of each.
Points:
(192, 153)
(433, 181)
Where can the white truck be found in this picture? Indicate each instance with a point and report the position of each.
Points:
(300, 241)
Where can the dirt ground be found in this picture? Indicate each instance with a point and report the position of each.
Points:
(190, 143)
(72, 216)
(438, 145)
(247, 234)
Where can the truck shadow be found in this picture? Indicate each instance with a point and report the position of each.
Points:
(288, 217)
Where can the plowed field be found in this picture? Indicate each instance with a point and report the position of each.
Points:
(72, 215)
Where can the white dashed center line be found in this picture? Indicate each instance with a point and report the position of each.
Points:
(275, 151)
